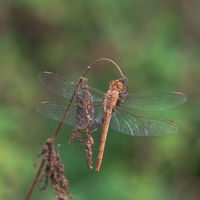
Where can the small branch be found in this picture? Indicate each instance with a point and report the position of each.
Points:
(35, 179)
(53, 138)
(105, 59)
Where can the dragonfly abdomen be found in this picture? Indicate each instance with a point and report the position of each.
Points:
(109, 105)
(107, 116)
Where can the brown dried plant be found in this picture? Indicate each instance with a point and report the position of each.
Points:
(54, 170)
(84, 117)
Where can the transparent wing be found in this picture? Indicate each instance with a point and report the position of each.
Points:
(55, 110)
(154, 102)
(64, 87)
(134, 124)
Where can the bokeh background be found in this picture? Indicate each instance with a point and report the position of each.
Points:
(157, 45)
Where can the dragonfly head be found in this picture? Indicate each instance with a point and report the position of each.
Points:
(116, 84)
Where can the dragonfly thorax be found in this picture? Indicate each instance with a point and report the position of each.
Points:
(111, 98)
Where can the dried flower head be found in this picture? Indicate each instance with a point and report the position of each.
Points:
(84, 117)
(54, 170)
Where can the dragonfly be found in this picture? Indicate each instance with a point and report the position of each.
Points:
(125, 119)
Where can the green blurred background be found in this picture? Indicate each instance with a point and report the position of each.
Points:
(156, 44)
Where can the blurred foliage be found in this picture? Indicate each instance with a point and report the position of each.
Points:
(156, 44)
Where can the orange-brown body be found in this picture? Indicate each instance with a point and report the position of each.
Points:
(109, 106)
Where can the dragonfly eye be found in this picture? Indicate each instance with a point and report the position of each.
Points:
(111, 84)
(119, 86)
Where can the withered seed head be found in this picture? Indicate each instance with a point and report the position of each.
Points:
(54, 170)
(84, 117)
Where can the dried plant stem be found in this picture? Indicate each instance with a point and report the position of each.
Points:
(35, 179)
(53, 138)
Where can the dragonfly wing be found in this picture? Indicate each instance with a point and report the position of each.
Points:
(134, 124)
(64, 87)
(57, 84)
(97, 95)
(56, 109)
(154, 102)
